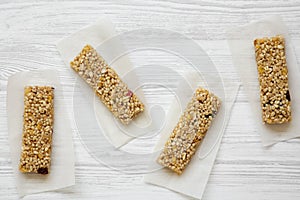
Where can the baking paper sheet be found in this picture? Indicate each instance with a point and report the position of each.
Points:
(62, 158)
(102, 36)
(240, 40)
(194, 178)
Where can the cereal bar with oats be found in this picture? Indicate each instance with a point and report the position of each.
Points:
(37, 129)
(112, 91)
(189, 131)
(272, 70)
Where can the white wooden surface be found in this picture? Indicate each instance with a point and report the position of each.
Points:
(243, 168)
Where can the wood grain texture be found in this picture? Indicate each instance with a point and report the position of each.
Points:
(243, 169)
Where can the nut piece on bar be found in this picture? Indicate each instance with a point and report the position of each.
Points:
(112, 91)
(37, 129)
(189, 131)
(273, 79)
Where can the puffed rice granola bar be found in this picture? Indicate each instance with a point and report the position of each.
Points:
(189, 131)
(112, 91)
(273, 79)
(37, 129)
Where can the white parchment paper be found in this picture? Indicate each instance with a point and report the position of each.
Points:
(194, 178)
(241, 45)
(62, 173)
(102, 36)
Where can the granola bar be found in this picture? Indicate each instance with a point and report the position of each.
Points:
(189, 131)
(273, 79)
(37, 129)
(112, 91)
